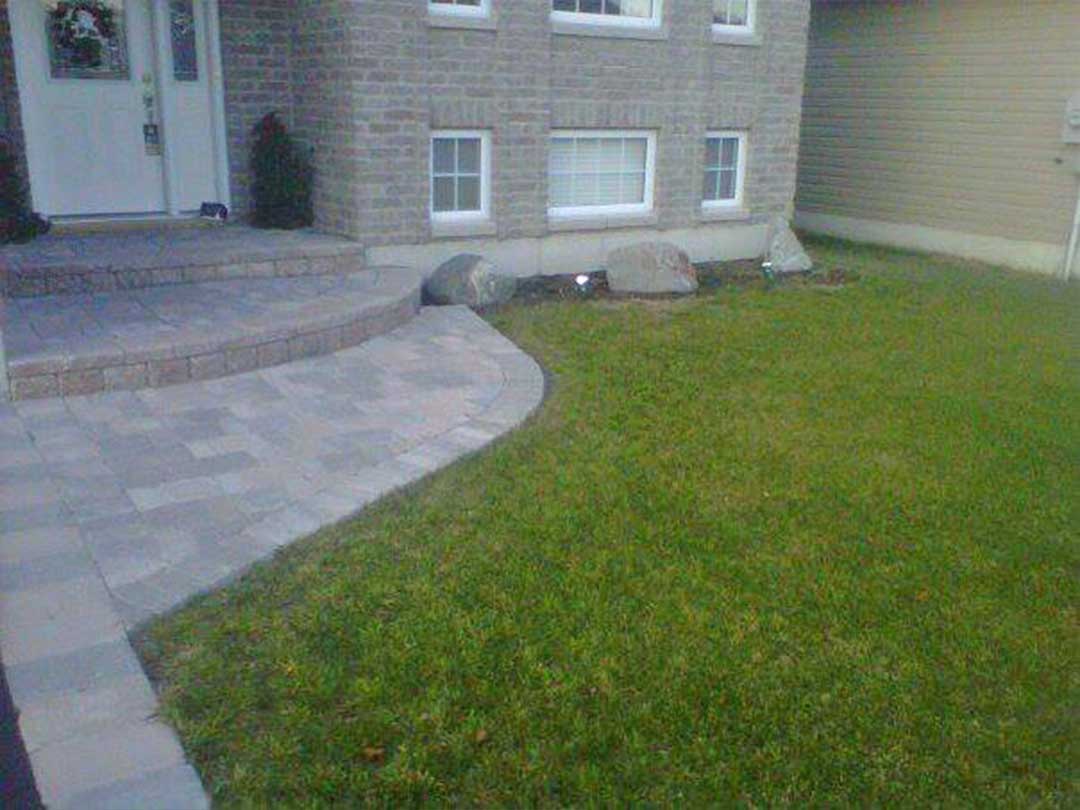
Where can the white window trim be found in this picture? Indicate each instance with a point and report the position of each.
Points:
(740, 170)
(613, 20)
(749, 28)
(448, 217)
(453, 10)
(590, 211)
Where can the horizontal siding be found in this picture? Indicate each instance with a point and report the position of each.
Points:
(942, 113)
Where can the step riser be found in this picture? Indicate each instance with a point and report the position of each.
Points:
(31, 282)
(220, 361)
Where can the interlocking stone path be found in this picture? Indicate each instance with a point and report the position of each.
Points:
(119, 506)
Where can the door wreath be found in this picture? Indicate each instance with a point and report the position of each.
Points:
(86, 38)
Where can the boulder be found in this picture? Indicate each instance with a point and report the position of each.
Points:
(785, 252)
(470, 280)
(651, 268)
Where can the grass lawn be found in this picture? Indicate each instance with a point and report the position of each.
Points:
(762, 547)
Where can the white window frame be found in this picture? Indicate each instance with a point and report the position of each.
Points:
(454, 10)
(614, 20)
(588, 211)
(748, 28)
(484, 214)
(740, 169)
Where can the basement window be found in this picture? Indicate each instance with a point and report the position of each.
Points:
(725, 169)
(460, 176)
(601, 172)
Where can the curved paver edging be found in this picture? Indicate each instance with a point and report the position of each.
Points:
(96, 550)
(354, 308)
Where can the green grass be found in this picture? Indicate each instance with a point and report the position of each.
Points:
(760, 547)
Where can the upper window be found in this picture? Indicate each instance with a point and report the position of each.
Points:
(733, 15)
(725, 169)
(460, 175)
(462, 8)
(601, 172)
(608, 12)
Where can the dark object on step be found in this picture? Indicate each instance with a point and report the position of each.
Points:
(215, 211)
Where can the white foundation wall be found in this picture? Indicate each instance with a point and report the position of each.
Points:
(578, 252)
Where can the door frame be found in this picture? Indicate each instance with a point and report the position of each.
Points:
(161, 44)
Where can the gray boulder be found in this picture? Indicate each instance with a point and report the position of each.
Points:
(785, 251)
(651, 268)
(470, 280)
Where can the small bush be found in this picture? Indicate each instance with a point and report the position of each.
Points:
(283, 178)
(17, 222)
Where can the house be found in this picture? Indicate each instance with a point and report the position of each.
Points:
(540, 133)
(942, 126)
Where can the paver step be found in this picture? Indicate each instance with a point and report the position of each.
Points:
(63, 345)
(66, 263)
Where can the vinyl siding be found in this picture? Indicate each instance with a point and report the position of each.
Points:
(942, 114)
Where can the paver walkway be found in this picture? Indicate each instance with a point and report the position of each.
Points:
(117, 507)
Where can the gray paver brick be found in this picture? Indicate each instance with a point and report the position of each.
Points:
(122, 752)
(168, 371)
(28, 544)
(49, 569)
(56, 618)
(127, 377)
(38, 516)
(208, 366)
(180, 491)
(51, 719)
(86, 668)
(176, 788)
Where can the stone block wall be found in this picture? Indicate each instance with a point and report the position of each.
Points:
(256, 55)
(373, 78)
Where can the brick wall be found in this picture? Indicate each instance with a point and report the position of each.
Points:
(256, 46)
(372, 79)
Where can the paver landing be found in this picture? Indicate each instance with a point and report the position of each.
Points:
(119, 506)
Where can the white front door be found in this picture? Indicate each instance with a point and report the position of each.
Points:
(117, 105)
(187, 101)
